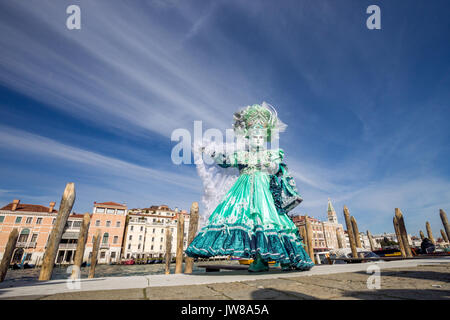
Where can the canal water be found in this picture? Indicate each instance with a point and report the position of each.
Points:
(108, 270)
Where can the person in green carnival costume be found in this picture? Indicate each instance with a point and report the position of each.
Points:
(251, 221)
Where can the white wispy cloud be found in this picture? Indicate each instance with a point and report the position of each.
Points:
(21, 141)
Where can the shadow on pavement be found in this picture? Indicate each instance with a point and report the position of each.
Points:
(401, 294)
(415, 274)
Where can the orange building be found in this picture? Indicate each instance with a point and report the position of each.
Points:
(109, 217)
(34, 223)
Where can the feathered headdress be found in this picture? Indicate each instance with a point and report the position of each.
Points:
(262, 116)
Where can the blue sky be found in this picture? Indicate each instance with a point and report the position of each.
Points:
(367, 110)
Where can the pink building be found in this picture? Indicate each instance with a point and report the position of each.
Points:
(34, 223)
(109, 217)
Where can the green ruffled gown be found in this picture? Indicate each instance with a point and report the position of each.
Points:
(247, 222)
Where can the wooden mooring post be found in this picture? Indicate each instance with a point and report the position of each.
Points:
(422, 236)
(429, 232)
(372, 244)
(168, 256)
(65, 207)
(350, 233)
(444, 236)
(180, 241)
(7, 255)
(339, 240)
(193, 226)
(403, 233)
(309, 238)
(445, 222)
(399, 237)
(356, 232)
(79, 253)
(94, 255)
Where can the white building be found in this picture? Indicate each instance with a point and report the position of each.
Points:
(332, 228)
(145, 233)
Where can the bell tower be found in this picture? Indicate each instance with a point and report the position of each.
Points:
(332, 217)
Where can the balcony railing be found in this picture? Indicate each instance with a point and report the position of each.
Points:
(104, 245)
(26, 245)
(67, 245)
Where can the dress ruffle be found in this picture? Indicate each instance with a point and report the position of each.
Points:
(284, 246)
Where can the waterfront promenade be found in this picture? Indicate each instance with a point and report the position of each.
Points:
(405, 279)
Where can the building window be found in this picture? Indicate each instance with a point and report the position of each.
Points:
(108, 223)
(120, 211)
(29, 220)
(2, 218)
(116, 239)
(131, 228)
(97, 223)
(110, 211)
(102, 255)
(129, 246)
(128, 255)
(68, 224)
(38, 220)
(113, 255)
(162, 239)
(140, 237)
(131, 237)
(105, 237)
(24, 235)
(34, 237)
(18, 219)
(118, 224)
(142, 228)
(151, 248)
(160, 247)
(76, 224)
(153, 239)
(100, 210)
(154, 230)
(139, 246)
(162, 230)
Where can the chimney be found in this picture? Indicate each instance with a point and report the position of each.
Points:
(15, 203)
(52, 205)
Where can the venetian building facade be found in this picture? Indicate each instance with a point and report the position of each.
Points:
(324, 232)
(34, 224)
(145, 233)
(318, 238)
(69, 239)
(109, 218)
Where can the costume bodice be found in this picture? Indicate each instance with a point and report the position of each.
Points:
(249, 162)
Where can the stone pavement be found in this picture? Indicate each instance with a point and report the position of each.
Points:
(399, 280)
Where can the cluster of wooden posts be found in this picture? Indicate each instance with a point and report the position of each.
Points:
(402, 236)
(355, 240)
(67, 201)
(193, 225)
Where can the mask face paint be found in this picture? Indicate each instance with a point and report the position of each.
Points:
(257, 139)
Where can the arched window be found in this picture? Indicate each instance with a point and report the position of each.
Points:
(105, 237)
(24, 235)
